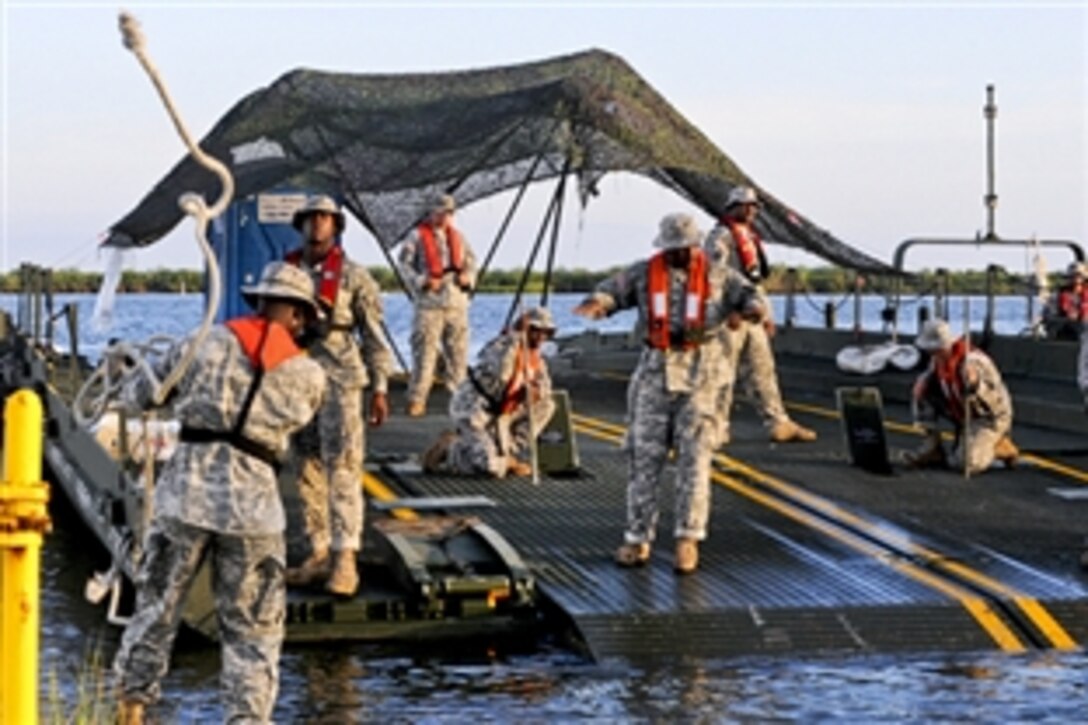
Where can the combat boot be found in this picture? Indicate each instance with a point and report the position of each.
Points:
(930, 454)
(416, 410)
(1006, 451)
(629, 555)
(316, 568)
(130, 712)
(434, 458)
(518, 467)
(687, 556)
(345, 574)
(788, 431)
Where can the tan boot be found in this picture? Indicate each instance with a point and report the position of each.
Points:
(416, 410)
(1006, 451)
(630, 555)
(930, 454)
(434, 458)
(788, 431)
(344, 581)
(130, 712)
(518, 467)
(315, 569)
(687, 556)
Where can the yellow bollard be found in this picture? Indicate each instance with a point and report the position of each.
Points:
(24, 518)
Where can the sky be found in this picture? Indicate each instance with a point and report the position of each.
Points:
(865, 117)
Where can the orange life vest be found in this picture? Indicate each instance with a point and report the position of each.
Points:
(331, 268)
(694, 301)
(950, 376)
(527, 364)
(748, 247)
(265, 343)
(433, 257)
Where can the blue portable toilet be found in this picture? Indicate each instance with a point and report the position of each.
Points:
(253, 231)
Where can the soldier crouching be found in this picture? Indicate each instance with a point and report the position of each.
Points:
(963, 386)
(491, 408)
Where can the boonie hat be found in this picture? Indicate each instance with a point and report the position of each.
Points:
(742, 195)
(282, 281)
(678, 231)
(441, 202)
(935, 335)
(540, 318)
(317, 204)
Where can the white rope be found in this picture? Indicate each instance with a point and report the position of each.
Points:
(106, 375)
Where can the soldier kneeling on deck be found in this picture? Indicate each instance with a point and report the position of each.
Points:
(490, 407)
(217, 499)
(962, 385)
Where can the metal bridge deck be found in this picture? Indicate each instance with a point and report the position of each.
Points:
(805, 552)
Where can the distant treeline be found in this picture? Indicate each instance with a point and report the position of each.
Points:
(828, 280)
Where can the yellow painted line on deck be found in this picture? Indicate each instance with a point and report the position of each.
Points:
(375, 487)
(979, 609)
(1058, 637)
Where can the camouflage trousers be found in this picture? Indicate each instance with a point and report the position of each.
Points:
(250, 598)
(751, 359)
(332, 450)
(434, 329)
(657, 421)
(982, 432)
(485, 450)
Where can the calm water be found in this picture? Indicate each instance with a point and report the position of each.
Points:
(355, 683)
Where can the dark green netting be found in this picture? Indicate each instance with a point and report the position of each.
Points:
(386, 142)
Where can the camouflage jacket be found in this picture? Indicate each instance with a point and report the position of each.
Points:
(358, 309)
(473, 403)
(214, 485)
(990, 400)
(684, 370)
(413, 265)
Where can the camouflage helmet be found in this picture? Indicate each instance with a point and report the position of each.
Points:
(540, 318)
(316, 204)
(283, 281)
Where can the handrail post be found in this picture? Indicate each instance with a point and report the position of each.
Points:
(24, 519)
(791, 297)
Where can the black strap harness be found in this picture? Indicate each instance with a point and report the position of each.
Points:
(234, 437)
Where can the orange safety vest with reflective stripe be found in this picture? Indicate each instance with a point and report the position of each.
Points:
(433, 257)
(694, 301)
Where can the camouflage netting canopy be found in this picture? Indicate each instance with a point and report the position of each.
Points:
(386, 142)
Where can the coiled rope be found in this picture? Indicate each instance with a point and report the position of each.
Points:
(106, 380)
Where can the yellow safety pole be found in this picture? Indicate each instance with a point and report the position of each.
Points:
(24, 518)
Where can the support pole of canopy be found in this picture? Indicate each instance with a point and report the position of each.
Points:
(560, 194)
(532, 256)
(506, 222)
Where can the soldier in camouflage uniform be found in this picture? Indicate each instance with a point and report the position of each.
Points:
(247, 390)
(330, 451)
(682, 299)
(440, 269)
(959, 377)
(734, 242)
(490, 410)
